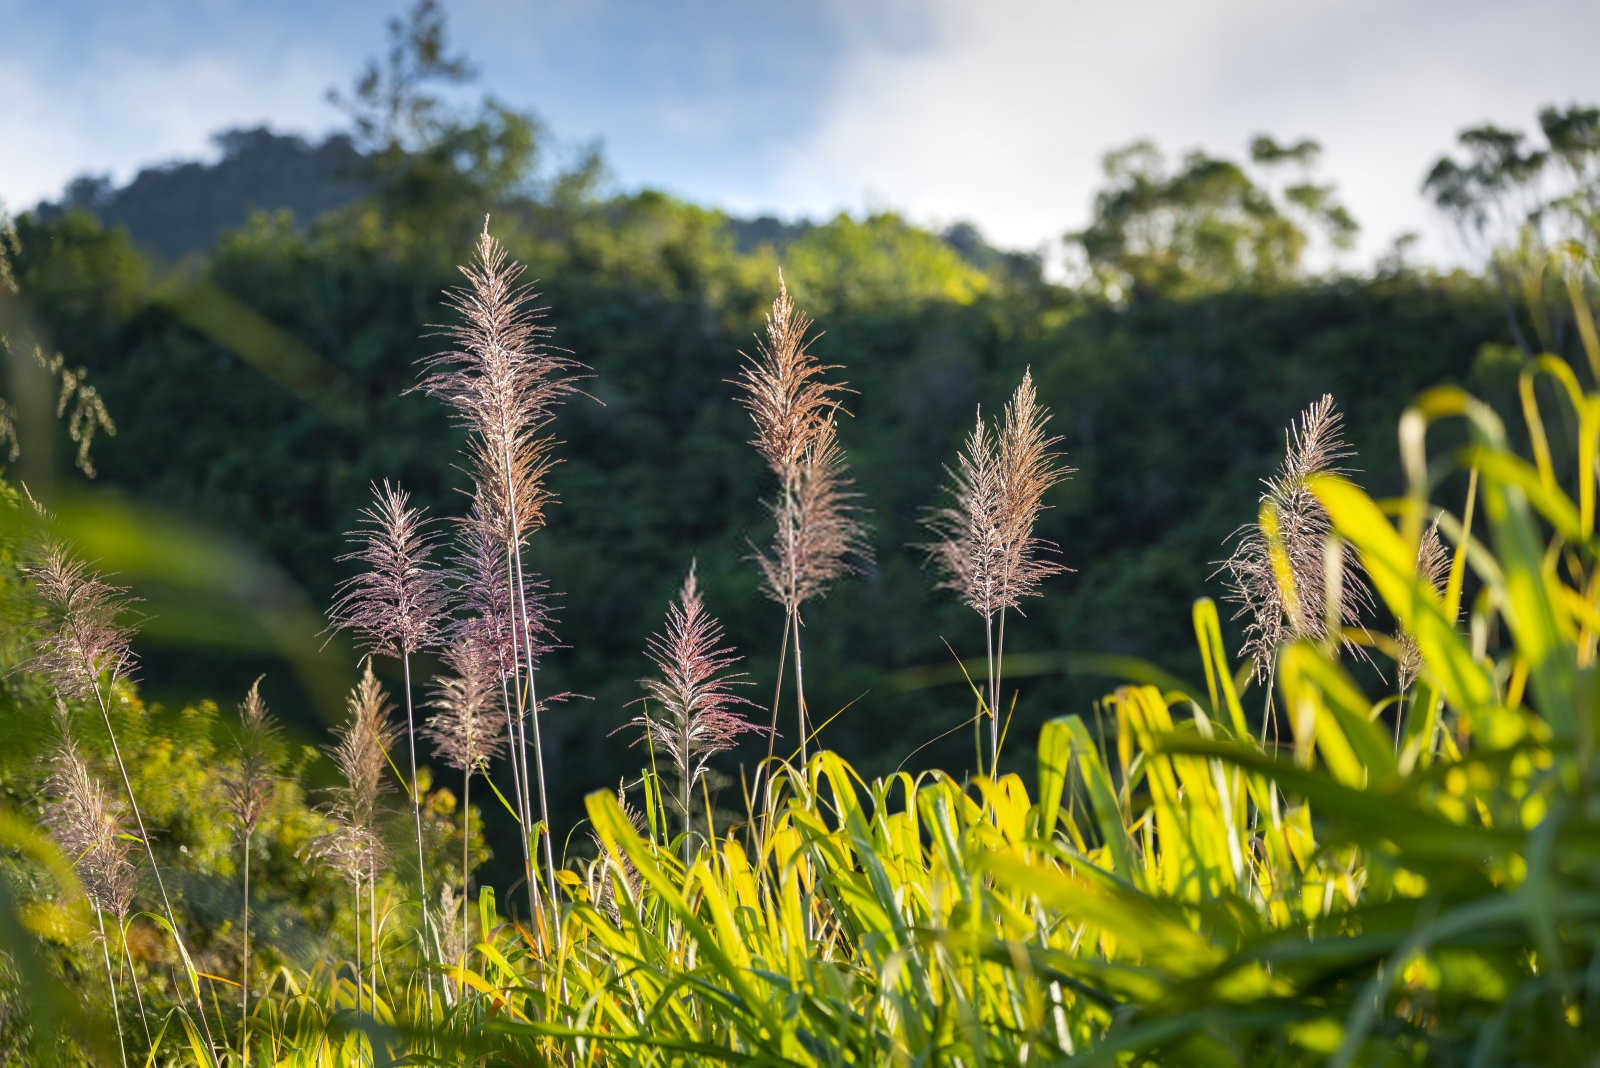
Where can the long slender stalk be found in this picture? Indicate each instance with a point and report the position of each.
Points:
(416, 813)
(994, 719)
(685, 786)
(244, 974)
(133, 981)
(533, 717)
(519, 747)
(800, 688)
(999, 689)
(514, 551)
(372, 926)
(355, 885)
(466, 827)
(166, 903)
(111, 984)
(517, 795)
(772, 727)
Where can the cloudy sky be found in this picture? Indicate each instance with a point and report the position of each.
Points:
(994, 112)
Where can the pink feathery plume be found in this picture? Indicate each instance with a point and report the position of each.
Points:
(463, 726)
(396, 605)
(696, 713)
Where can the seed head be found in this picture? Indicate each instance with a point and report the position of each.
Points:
(396, 605)
(691, 710)
(82, 640)
(87, 823)
(1275, 614)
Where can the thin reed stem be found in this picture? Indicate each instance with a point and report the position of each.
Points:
(800, 689)
(994, 719)
(999, 688)
(416, 813)
(133, 981)
(372, 927)
(516, 790)
(466, 827)
(244, 973)
(111, 984)
(515, 551)
(166, 902)
(772, 727)
(355, 886)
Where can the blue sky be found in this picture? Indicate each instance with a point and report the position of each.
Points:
(947, 109)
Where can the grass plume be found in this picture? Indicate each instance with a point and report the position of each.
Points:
(691, 709)
(818, 536)
(985, 546)
(1279, 568)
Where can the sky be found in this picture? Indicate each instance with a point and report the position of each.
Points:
(946, 110)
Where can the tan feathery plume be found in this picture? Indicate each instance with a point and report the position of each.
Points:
(695, 713)
(968, 547)
(1433, 567)
(1273, 616)
(87, 823)
(985, 544)
(1030, 466)
(462, 727)
(783, 387)
(605, 894)
(504, 380)
(361, 750)
(463, 732)
(249, 789)
(818, 534)
(83, 640)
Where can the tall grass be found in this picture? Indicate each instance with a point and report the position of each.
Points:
(1410, 878)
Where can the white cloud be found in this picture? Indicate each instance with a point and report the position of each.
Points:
(121, 112)
(1003, 117)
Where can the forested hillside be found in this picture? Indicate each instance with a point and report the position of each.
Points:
(263, 390)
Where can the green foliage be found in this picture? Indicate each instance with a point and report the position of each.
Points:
(1208, 225)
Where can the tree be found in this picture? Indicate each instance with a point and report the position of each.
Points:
(426, 157)
(1519, 206)
(1209, 224)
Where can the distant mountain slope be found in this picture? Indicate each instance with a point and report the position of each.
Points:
(183, 207)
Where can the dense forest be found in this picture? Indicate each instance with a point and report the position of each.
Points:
(240, 340)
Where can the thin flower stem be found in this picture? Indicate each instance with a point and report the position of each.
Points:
(111, 983)
(800, 688)
(166, 903)
(533, 718)
(466, 827)
(372, 926)
(999, 690)
(133, 981)
(514, 551)
(994, 720)
(519, 744)
(772, 727)
(355, 886)
(516, 790)
(416, 813)
(244, 974)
